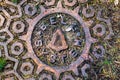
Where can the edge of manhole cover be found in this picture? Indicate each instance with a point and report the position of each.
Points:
(44, 41)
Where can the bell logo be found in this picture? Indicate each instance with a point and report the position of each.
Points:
(58, 41)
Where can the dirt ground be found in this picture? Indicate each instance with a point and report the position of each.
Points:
(109, 68)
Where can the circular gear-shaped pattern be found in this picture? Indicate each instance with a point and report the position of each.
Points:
(30, 9)
(17, 48)
(70, 2)
(26, 68)
(51, 36)
(18, 27)
(98, 51)
(88, 12)
(99, 30)
(45, 76)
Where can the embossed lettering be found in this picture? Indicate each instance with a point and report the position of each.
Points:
(38, 43)
(73, 53)
(53, 58)
(53, 20)
(78, 42)
(43, 27)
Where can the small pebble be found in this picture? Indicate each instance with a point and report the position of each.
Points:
(68, 29)
(78, 34)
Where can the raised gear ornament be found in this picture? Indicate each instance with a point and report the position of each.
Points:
(57, 39)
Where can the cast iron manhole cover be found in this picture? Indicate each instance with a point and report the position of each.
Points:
(43, 40)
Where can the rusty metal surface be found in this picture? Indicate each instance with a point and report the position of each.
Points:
(44, 41)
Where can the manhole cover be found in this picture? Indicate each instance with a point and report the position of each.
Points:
(42, 40)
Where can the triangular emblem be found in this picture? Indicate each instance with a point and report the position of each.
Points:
(58, 41)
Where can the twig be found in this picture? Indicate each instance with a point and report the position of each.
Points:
(117, 62)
